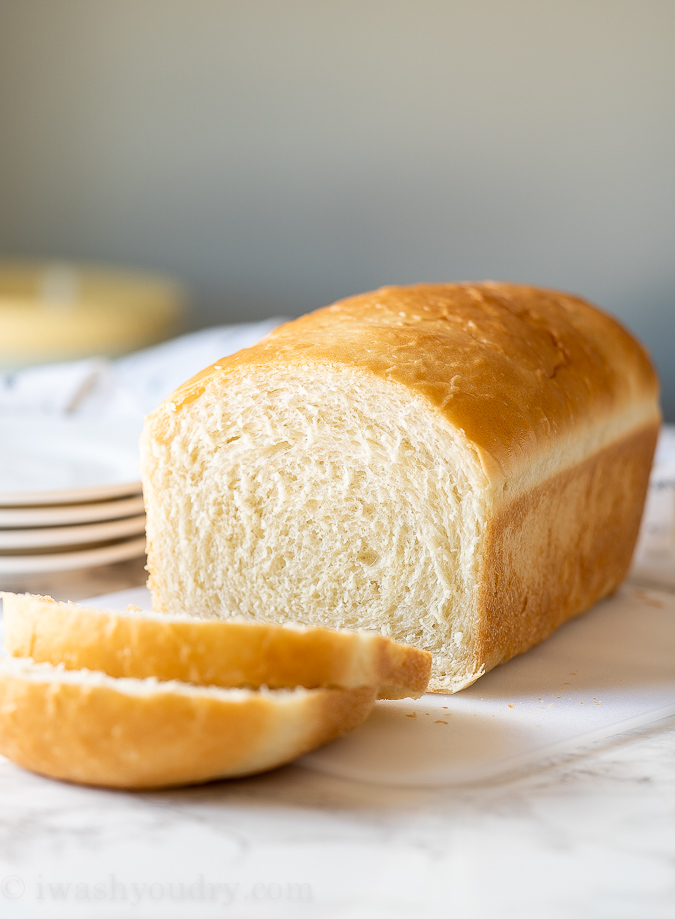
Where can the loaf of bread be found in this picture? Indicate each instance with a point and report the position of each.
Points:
(87, 727)
(460, 467)
(234, 653)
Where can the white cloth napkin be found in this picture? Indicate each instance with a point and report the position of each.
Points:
(125, 389)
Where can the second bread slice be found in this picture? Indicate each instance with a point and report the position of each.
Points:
(125, 733)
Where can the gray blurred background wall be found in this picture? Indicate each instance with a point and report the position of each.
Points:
(279, 154)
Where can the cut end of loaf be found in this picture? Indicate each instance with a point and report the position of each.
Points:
(461, 467)
(318, 498)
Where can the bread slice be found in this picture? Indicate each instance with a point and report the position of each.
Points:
(87, 727)
(459, 467)
(133, 643)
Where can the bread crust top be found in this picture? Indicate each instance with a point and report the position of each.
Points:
(513, 368)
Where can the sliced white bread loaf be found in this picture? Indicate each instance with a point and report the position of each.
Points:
(460, 467)
(133, 643)
(84, 726)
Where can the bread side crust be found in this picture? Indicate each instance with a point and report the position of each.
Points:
(551, 554)
(126, 734)
(210, 652)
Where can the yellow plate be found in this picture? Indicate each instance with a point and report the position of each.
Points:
(58, 311)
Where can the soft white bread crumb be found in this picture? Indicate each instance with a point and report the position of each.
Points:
(262, 497)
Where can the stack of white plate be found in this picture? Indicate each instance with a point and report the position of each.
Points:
(70, 497)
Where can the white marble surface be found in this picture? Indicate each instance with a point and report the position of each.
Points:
(589, 835)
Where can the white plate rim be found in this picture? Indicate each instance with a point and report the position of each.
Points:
(68, 561)
(68, 495)
(84, 534)
(62, 515)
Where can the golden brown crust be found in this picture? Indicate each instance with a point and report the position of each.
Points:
(514, 368)
(210, 652)
(106, 732)
(552, 554)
